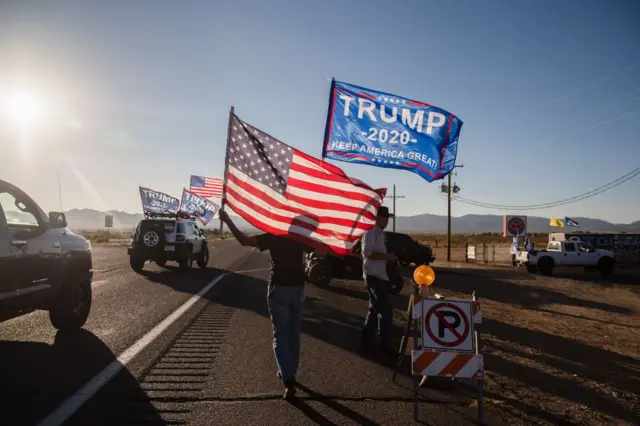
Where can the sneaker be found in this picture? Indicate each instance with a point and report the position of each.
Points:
(289, 390)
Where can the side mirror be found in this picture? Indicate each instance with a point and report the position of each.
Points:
(57, 220)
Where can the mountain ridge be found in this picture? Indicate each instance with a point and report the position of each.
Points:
(427, 223)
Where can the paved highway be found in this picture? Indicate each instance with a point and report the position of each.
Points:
(212, 363)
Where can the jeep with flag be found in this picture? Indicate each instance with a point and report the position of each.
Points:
(170, 237)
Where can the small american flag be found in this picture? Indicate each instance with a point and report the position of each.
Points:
(206, 187)
(283, 191)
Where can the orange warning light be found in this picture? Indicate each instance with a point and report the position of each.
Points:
(424, 275)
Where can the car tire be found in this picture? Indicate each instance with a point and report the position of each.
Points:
(71, 308)
(605, 266)
(152, 239)
(203, 257)
(137, 263)
(186, 262)
(320, 273)
(545, 265)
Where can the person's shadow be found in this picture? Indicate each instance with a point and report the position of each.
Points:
(37, 378)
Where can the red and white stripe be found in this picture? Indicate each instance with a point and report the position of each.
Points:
(447, 364)
(212, 188)
(321, 205)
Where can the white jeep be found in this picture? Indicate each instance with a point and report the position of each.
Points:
(171, 238)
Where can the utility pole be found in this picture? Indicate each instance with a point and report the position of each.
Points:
(394, 196)
(449, 213)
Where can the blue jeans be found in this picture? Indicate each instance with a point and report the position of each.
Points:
(285, 307)
(379, 319)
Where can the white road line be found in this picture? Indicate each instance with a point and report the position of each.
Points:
(89, 389)
(98, 283)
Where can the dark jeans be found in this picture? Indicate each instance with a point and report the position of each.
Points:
(379, 319)
(285, 307)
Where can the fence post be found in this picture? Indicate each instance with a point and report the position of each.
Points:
(466, 252)
(485, 255)
(493, 246)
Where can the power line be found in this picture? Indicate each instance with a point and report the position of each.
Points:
(561, 202)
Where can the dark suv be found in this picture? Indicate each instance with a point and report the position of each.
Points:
(162, 239)
(409, 250)
(43, 265)
(321, 271)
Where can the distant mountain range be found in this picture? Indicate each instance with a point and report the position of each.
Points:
(88, 219)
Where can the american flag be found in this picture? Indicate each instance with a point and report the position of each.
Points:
(206, 187)
(283, 191)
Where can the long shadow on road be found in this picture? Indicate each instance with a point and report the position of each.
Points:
(36, 377)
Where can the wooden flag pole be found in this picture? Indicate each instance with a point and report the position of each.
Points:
(226, 164)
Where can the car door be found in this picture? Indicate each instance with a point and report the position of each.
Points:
(197, 238)
(9, 279)
(586, 257)
(570, 254)
(34, 260)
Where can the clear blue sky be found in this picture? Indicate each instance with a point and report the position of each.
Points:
(137, 93)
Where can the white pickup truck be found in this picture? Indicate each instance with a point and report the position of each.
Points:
(567, 253)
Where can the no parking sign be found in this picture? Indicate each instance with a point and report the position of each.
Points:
(447, 325)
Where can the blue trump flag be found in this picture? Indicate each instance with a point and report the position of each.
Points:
(203, 209)
(158, 202)
(384, 130)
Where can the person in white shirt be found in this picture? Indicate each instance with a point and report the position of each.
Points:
(379, 321)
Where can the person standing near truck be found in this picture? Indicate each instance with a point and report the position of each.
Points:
(379, 320)
(515, 245)
(528, 243)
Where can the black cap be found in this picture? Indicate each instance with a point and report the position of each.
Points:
(384, 212)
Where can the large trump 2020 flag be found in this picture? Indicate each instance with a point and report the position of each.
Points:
(283, 191)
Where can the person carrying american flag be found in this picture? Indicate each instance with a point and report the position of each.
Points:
(302, 204)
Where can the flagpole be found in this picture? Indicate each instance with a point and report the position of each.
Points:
(327, 121)
(226, 164)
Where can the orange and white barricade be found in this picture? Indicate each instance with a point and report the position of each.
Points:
(445, 342)
(448, 342)
(426, 362)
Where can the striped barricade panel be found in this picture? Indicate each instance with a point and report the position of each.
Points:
(447, 364)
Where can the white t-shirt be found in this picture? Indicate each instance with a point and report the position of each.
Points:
(374, 241)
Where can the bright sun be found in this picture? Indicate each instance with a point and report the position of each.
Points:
(24, 107)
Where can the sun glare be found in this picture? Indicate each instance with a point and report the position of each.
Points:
(24, 107)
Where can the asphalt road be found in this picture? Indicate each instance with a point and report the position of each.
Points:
(213, 364)
(39, 367)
